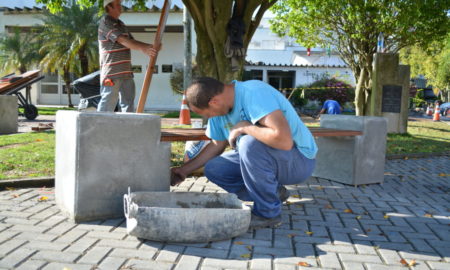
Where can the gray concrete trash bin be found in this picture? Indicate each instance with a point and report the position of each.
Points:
(187, 217)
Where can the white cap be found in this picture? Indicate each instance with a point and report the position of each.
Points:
(106, 2)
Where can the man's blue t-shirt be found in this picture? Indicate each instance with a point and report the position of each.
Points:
(252, 101)
(332, 107)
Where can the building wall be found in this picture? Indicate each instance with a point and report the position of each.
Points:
(160, 95)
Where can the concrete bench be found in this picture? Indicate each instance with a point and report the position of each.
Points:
(353, 160)
(351, 148)
(100, 155)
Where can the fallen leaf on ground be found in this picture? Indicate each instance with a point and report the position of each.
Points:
(386, 216)
(296, 196)
(328, 206)
(443, 174)
(238, 243)
(428, 215)
(309, 233)
(245, 255)
(320, 187)
(348, 211)
(249, 247)
(406, 158)
(10, 188)
(368, 230)
(39, 140)
(303, 264)
(406, 263)
(15, 195)
(358, 217)
(291, 235)
(43, 198)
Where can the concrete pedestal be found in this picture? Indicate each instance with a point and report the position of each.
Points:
(100, 155)
(352, 160)
(8, 114)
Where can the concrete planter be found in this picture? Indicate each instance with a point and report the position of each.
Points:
(185, 216)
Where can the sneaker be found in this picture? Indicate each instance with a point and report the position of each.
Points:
(258, 222)
(283, 194)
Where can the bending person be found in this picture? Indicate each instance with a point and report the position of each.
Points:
(271, 145)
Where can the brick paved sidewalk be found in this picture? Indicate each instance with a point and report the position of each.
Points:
(326, 225)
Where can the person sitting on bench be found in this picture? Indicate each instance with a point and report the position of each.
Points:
(271, 145)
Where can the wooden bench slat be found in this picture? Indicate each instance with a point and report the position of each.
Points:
(198, 134)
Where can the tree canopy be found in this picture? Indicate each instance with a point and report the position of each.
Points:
(352, 28)
(433, 62)
(210, 22)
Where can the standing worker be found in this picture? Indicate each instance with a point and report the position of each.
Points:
(331, 107)
(272, 146)
(116, 76)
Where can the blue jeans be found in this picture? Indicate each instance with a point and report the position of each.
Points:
(254, 171)
(123, 89)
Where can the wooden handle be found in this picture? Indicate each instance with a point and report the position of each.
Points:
(151, 65)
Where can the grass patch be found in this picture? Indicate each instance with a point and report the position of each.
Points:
(177, 115)
(33, 154)
(422, 137)
(50, 110)
(27, 155)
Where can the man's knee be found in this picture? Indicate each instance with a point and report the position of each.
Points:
(249, 145)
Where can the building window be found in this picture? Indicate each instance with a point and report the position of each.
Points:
(281, 79)
(166, 68)
(254, 74)
(49, 84)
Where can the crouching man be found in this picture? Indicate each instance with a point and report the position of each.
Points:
(271, 145)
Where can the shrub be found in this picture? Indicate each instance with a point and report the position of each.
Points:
(329, 88)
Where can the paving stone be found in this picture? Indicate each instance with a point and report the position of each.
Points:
(59, 266)
(421, 256)
(335, 248)
(16, 257)
(151, 265)
(278, 252)
(295, 261)
(206, 252)
(10, 245)
(81, 245)
(167, 256)
(133, 253)
(439, 265)
(117, 243)
(56, 256)
(360, 258)
(371, 266)
(188, 263)
(353, 265)
(94, 255)
(330, 260)
(111, 263)
(261, 262)
(391, 257)
(45, 245)
(222, 263)
(305, 250)
(31, 265)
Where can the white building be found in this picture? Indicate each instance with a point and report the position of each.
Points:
(284, 64)
(278, 61)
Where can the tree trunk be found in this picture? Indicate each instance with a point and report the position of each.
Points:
(211, 19)
(66, 77)
(84, 62)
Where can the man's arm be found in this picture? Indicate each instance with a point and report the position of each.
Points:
(273, 130)
(146, 48)
(210, 151)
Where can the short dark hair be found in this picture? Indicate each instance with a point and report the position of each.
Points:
(202, 90)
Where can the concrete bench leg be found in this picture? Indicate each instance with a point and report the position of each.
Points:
(352, 160)
(8, 114)
(100, 155)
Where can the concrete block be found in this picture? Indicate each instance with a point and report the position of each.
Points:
(352, 160)
(100, 155)
(8, 114)
(185, 217)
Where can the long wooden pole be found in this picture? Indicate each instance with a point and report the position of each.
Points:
(151, 65)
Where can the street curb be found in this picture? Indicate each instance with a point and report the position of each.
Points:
(47, 181)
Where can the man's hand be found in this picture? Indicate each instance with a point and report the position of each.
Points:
(176, 176)
(152, 50)
(237, 131)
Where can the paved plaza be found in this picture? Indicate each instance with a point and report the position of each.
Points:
(327, 225)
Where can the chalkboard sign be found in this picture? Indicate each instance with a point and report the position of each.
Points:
(392, 97)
